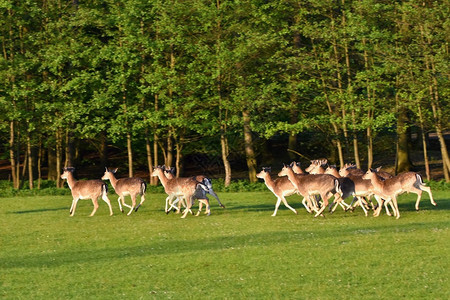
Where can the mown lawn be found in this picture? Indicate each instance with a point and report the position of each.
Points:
(237, 252)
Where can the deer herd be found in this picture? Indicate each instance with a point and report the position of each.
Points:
(317, 184)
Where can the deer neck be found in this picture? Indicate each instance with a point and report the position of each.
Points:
(164, 180)
(269, 182)
(71, 180)
(113, 181)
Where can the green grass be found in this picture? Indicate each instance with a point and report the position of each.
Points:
(237, 252)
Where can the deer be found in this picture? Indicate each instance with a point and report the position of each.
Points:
(296, 167)
(281, 188)
(387, 189)
(353, 185)
(177, 187)
(86, 189)
(170, 173)
(411, 182)
(319, 166)
(200, 192)
(132, 186)
(307, 185)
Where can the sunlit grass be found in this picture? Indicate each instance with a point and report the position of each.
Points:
(237, 252)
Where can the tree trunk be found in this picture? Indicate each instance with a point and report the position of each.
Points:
(225, 153)
(69, 150)
(148, 148)
(30, 163)
(103, 149)
(39, 163)
(169, 152)
(178, 157)
(12, 155)
(403, 159)
(249, 150)
(58, 158)
(130, 155)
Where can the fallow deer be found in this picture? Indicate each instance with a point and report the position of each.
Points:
(200, 192)
(177, 187)
(319, 166)
(387, 189)
(281, 188)
(133, 187)
(169, 172)
(359, 188)
(324, 185)
(86, 189)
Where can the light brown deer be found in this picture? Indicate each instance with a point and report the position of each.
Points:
(307, 185)
(387, 190)
(317, 166)
(86, 189)
(296, 167)
(133, 187)
(177, 187)
(281, 188)
(355, 186)
(200, 194)
(413, 183)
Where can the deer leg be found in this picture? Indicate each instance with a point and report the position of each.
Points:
(325, 204)
(106, 199)
(387, 208)
(120, 205)
(377, 211)
(395, 204)
(188, 206)
(142, 201)
(276, 206)
(74, 206)
(362, 206)
(122, 198)
(287, 205)
(428, 190)
(133, 203)
(95, 202)
(305, 204)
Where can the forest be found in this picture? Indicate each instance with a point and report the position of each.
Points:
(221, 87)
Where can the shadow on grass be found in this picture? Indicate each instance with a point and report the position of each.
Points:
(194, 247)
(38, 210)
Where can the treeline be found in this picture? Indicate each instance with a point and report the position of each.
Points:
(180, 77)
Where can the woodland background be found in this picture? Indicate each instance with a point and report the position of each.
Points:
(221, 87)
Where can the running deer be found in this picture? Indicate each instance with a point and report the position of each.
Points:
(413, 183)
(319, 166)
(324, 185)
(387, 190)
(133, 187)
(200, 193)
(359, 188)
(281, 188)
(177, 187)
(86, 189)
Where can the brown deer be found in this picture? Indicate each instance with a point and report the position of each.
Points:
(317, 166)
(86, 189)
(387, 190)
(177, 187)
(355, 186)
(324, 185)
(413, 183)
(281, 188)
(133, 187)
(200, 193)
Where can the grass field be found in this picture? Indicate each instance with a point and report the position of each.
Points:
(237, 252)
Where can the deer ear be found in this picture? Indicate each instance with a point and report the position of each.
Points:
(292, 164)
(378, 169)
(115, 170)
